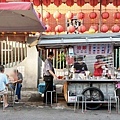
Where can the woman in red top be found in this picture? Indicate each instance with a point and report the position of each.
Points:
(98, 66)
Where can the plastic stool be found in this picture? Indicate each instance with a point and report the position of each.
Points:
(78, 101)
(51, 96)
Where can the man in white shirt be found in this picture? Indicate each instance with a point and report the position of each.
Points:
(3, 85)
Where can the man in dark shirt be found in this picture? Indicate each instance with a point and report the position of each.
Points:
(80, 66)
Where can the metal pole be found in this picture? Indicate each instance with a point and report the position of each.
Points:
(15, 53)
(2, 53)
(8, 56)
(100, 19)
(12, 54)
(5, 52)
(41, 10)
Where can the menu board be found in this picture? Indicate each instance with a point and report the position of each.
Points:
(93, 49)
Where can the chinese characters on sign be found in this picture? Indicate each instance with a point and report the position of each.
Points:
(93, 49)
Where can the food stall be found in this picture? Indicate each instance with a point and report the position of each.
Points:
(95, 89)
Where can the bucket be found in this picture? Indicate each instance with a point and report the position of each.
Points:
(59, 88)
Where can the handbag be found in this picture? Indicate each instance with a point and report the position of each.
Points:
(47, 78)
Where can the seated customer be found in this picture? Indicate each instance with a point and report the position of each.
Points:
(18, 79)
(80, 66)
(98, 66)
(3, 85)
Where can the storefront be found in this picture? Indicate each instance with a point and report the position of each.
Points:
(87, 46)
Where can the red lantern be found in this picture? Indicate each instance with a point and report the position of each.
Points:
(46, 15)
(57, 2)
(115, 28)
(116, 15)
(71, 29)
(57, 15)
(22, 0)
(105, 15)
(95, 27)
(93, 15)
(116, 3)
(104, 28)
(80, 2)
(36, 2)
(59, 28)
(80, 15)
(69, 2)
(105, 2)
(82, 28)
(46, 2)
(93, 2)
(69, 15)
(48, 28)
(5, 1)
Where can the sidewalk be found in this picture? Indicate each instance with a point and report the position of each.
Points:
(32, 98)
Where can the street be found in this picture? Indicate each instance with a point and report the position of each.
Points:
(55, 113)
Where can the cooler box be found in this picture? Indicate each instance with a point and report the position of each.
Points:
(41, 87)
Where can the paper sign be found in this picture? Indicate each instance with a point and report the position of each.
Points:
(93, 49)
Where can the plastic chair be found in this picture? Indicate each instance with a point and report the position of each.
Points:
(13, 93)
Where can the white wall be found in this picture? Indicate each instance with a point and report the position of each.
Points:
(28, 67)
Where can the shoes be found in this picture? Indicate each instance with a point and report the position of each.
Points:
(1, 101)
(42, 95)
(16, 101)
(7, 106)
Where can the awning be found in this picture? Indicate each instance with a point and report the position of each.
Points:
(19, 17)
(57, 41)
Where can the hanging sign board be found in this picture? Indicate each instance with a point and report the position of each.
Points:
(93, 49)
(71, 51)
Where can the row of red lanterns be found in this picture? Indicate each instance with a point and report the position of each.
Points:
(69, 15)
(71, 2)
(82, 28)
(114, 28)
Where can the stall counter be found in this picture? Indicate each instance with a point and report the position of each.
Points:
(72, 88)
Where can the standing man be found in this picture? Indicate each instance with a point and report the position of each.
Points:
(18, 82)
(3, 85)
(48, 74)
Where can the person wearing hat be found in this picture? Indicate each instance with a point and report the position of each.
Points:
(98, 66)
(80, 66)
